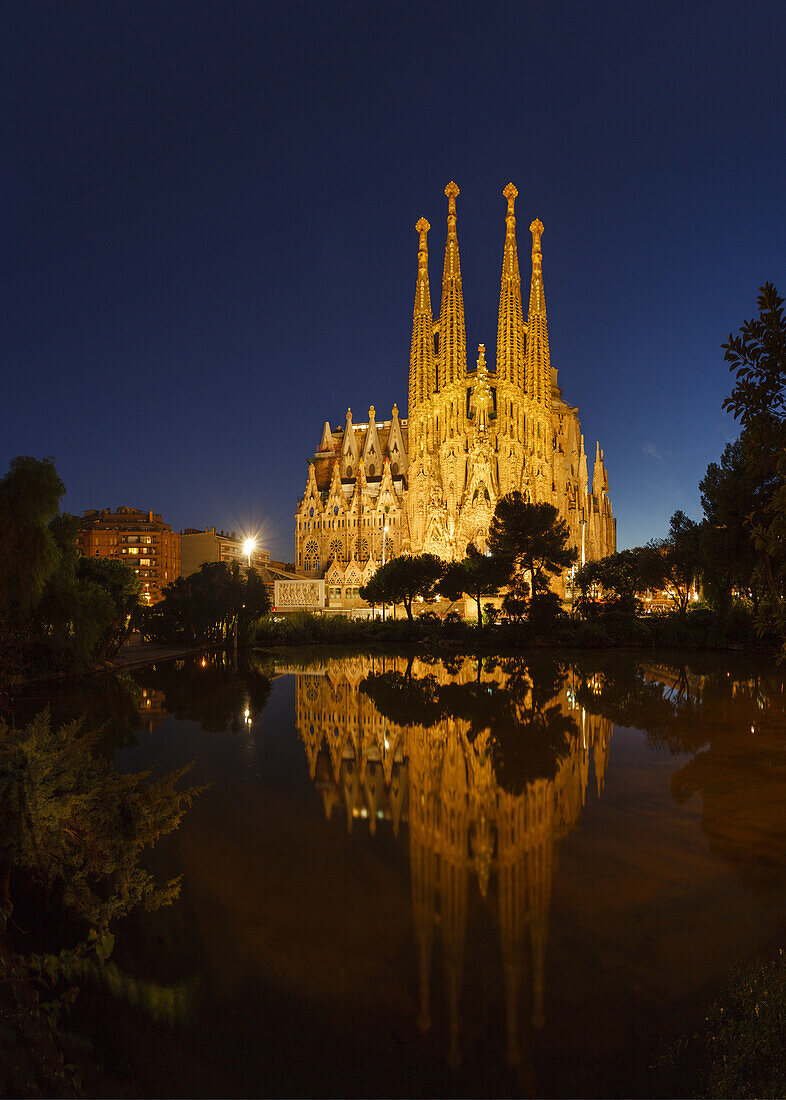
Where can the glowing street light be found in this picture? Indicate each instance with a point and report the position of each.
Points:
(249, 546)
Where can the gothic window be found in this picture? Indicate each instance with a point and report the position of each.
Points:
(311, 555)
(349, 471)
(394, 468)
(389, 551)
(372, 469)
(361, 549)
(337, 550)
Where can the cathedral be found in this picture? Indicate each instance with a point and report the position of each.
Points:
(429, 483)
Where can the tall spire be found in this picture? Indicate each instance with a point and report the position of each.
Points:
(510, 328)
(422, 371)
(452, 329)
(537, 358)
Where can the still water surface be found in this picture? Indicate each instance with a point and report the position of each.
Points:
(463, 876)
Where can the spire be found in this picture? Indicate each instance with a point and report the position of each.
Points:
(452, 364)
(510, 328)
(537, 359)
(600, 479)
(422, 371)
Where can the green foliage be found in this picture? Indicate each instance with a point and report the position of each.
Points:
(757, 356)
(73, 832)
(85, 611)
(209, 607)
(740, 1051)
(29, 499)
(731, 497)
(619, 578)
(673, 563)
(404, 579)
(59, 611)
(477, 575)
(532, 540)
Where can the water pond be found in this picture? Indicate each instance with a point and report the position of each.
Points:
(458, 876)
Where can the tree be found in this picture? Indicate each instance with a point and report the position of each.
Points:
(730, 495)
(620, 577)
(74, 833)
(85, 610)
(207, 607)
(532, 540)
(673, 563)
(404, 579)
(757, 356)
(29, 499)
(477, 575)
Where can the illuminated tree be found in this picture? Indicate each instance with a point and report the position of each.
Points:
(477, 575)
(403, 580)
(532, 540)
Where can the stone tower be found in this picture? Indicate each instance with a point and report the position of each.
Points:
(430, 483)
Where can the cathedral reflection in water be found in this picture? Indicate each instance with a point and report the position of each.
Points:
(397, 741)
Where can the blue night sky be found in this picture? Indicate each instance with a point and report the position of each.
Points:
(208, 241)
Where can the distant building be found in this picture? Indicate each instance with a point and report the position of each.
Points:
(198, 547)
(139, 539)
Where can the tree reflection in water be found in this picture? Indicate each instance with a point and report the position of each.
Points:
(733, 726)
(487, 760)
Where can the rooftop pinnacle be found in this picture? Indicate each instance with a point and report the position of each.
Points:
(510, 325)
(537, 356)
(452, 365)
(422, 371)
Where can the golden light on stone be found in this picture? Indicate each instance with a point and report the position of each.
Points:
(470, 437)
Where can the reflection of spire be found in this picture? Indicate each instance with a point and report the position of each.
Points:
(461, 821)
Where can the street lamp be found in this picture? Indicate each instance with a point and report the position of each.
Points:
(249, 546)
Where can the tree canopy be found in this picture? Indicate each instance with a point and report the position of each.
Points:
(533, 541)
(477, 575)
(404, 579)
(208, 606)
(757, 357)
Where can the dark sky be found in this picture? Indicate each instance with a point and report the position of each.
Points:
(208, 241)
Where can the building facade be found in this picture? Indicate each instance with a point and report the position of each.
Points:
(141, 540)
(198, 547)
(430, 483)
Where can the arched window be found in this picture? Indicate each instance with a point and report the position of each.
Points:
(311, 561)
(337, 550)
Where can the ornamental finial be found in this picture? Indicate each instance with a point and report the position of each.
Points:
(536, 229)
(510, 193)
(452, 193)
(422, 227)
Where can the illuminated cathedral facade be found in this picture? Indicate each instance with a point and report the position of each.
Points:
(430, 483)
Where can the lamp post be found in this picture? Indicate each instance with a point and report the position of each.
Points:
(384, 548)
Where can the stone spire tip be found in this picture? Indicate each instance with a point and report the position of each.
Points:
(511, 194)
(452, 193)
(536, 229)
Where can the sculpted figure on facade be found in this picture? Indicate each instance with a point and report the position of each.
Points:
(470, 436)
